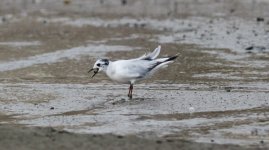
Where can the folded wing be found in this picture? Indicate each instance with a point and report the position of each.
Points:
(135, 68)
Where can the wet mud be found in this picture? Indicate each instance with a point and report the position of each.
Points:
(44, 138)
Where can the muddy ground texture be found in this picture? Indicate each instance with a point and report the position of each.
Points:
(215, 95)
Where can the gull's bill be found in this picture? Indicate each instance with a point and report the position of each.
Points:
(95, 71)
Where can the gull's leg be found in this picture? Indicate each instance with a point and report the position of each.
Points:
(131, 91)
(130, 94)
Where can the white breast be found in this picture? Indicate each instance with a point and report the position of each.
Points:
(114, 73)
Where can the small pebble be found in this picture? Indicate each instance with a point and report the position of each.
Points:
(170, 140)
(159, 142)
(259, 19)
(3, 19)
(120, 136)
(123, 2)
(62, 131)
(67, 2)
(228, 89)
(249, 48)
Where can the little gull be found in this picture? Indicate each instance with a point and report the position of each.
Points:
(132, 70)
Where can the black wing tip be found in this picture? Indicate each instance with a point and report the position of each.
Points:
(172, 58)
(158, 63)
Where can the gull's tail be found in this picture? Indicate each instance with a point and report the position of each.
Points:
(162, 63)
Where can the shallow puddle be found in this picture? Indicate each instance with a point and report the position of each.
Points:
(21, 44)
(60, 55)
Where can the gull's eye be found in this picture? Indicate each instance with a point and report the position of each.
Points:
(98, 65)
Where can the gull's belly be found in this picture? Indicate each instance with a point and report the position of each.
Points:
(121, 73)
(120, 79)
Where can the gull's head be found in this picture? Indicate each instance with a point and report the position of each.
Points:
(100, 65)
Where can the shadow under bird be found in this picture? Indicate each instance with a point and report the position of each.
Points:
(132, 70)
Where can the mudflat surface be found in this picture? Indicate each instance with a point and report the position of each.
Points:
(215, 95)
(49, 138)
